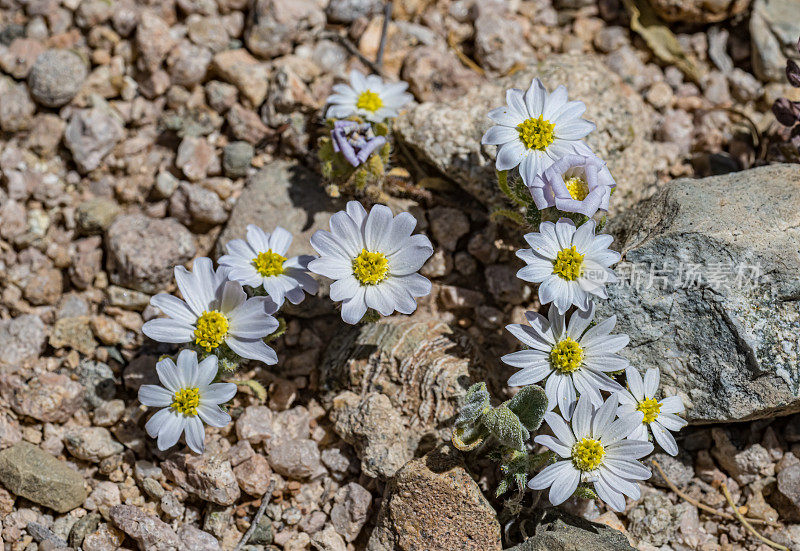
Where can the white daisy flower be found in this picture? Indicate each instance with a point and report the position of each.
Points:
(374, 259)
(536, 129)
(260, 261)
(594, 450)
(367, 97)
(659, 416)
(214, 311)
(570, 264)
(189, 398)
(574, 358)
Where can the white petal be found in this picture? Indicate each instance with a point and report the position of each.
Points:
(155, 396)
(553, 444)
(635, 384)
(621, 428)
(168, 330)
(498, 135)
(232, 296)
(582, 418)
(195, 434)
(169, 375)
(170, 432)
(154, 424)
(218, 393)
(250, 320)
(334, 267)
(651, 380)
(186, 368)
(664, 438)
(574, 129)
(506, 116)
(628, 449)
(354, 308)
(565, 486)
(560, 428)
(255, 349)
(672, 404)
(257, 239)
(534, 98)
(528, 376)
(671, 421)
(614, 499)
(604, 416)
(173, 307)
(628, 468)
(409, 259)
(279, 241)
(379, 220)
(550, 474)
(344, 289)
(510, 155)
(206, 371)
(213, 416)
(554, 101)
(378, 300)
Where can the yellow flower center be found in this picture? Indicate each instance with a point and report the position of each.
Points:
(536, 133)
(186, 401)
(587, 454)
(577, 187)
(650, 408)
(370, 268)
(269, 263)
(566, 356)
(211, 330)
(568, 264)
(369, 101)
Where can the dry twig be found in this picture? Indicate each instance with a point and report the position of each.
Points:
(453, 43)
(256, 518)
(747, 524)
(703, 506)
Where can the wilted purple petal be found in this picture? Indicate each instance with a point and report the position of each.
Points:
(356, 142)
(551, 187)
(787, 112)
(793, 73)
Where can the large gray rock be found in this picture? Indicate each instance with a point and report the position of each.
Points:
(699, 11)
(433, 504)
(710, 292)
(142, 251)
(392, 383)
(448, 134)
(29, 472)
(282, 194)
(21, 340)
(774, 28)
(555, 530)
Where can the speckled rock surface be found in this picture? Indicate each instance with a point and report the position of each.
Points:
(557, 530)
(721, 319)
(433, 504)
(448, 134)
(34, 474)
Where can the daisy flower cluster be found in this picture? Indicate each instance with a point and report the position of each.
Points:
(228, 314)
(356, 152)
(600, 429)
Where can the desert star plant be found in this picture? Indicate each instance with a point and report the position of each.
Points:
(575, 183)
(373, 260)
(260, 261)
(535, 129)
(573, 358)
(570, 264)
(594, 449)
(660, 416)
(214, 312)
(188, 398)
(368, 97)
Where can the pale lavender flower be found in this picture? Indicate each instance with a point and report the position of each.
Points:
(574, 183)
(355, 141)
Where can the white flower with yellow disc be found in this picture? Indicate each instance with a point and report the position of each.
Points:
(594, 450)
(574, 358)
(660, 416)
(536, 129)
(189, 398)
(368, 97)
(571, 265)
(261, 261)
(374, 260)
(213, 312)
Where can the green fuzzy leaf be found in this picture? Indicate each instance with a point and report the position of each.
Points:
(476, 401)
(510, 214)
(257, 388)
(530, 405)
(505, 426)
(585, 491)
(468, 438)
